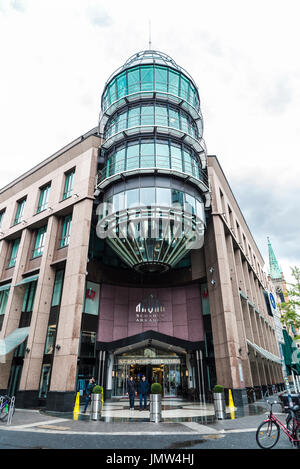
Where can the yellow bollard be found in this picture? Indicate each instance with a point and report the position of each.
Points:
(231, 405)
(76, 410)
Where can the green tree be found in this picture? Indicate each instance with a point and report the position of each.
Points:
(289, 310)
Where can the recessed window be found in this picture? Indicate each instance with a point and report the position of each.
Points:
(20, 211)
(40, 241)
(44, 197)
(1, 217)
(14, 252)
(66, 231)
(69, 184)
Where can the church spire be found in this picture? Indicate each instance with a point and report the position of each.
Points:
(275, 271)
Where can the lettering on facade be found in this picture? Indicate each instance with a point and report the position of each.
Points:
(149, 310)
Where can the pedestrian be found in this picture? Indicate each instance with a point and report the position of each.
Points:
(131, 392)
(89, 389)
(143, 391)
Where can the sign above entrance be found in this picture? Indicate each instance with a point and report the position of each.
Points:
(148, 361)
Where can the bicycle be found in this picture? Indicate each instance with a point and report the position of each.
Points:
(5, 403)
(268, 432)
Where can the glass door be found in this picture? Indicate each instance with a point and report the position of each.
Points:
(171, 380)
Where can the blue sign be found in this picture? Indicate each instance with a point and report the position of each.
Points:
(272, 300)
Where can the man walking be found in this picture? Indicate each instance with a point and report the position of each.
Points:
(131, 392)
(143, 391)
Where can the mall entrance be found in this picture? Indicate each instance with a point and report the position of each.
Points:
(159, 366)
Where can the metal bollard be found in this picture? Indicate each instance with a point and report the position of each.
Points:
(96, 406)
(155, 408)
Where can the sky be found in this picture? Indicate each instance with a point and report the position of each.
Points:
(56, 55)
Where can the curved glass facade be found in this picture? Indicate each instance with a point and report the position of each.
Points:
(152, 128)
(151, 78)
(152, 153)
(152, 114)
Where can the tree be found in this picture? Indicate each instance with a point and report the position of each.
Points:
(289, 310)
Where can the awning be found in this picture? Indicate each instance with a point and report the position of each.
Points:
(13, 340)
(264, 353)
(291, 354)
(5, 287)
(33, 278)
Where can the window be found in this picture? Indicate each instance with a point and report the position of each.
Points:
(40, 242)
(14, 252)
(69, 184)
(44, 197)
(3, 301)
(20, 211)
(1, 217)
(57, 289)
(29, 296)
(66, 231)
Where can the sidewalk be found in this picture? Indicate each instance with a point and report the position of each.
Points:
(179, 417)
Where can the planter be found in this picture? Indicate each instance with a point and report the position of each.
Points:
(96, 406)
(219, 403)
(155, 408)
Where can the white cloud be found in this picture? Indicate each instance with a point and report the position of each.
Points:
(57, 54)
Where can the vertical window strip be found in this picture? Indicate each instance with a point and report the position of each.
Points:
(69, 184)
(14, 253)
(40, 242)
(20, 211)
(29, 296)
(1, 217)
(44, 197)
(3, 300)
(66, 231)
(57, 289)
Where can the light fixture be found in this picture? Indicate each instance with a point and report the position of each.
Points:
(57, 347)
(76, 195)
(213, 282)
(27, 350)
(211, 269)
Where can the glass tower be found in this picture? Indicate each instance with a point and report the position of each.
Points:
(152, 180)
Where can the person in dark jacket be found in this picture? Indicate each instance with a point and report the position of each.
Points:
(143, 391)
(131, 391)
(89, 389)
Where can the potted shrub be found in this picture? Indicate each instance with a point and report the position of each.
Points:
(219, 401)
(155, 402)
(97, 394)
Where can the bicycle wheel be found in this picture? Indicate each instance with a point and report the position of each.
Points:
(267, 434)
(4, 412)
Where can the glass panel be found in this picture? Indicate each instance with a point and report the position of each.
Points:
(176, 158)
(161, 78)
(187, 163)
(121, 121)
(20, 210)
(132, 198)
(200, 210)
(92, 295)
(147, 196)
(1, 217)
(147, 77)
(147, 155)
(177, 197)
(147, 115)
(88, 344)
(184, 88)
(57, 289)
(50, 340)
(189, 205)
(121, 85)
(162, 155)
(133, 77)
(29, 295)
(173, 82)
(112, 91)
(118, 201)
(161, 115)
(45, 377)
(132, 158)
(134, 117)
(119, 160)
(174, 118)
(163, 196)
(184, 123)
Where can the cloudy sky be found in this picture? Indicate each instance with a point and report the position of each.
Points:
(56, 55)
